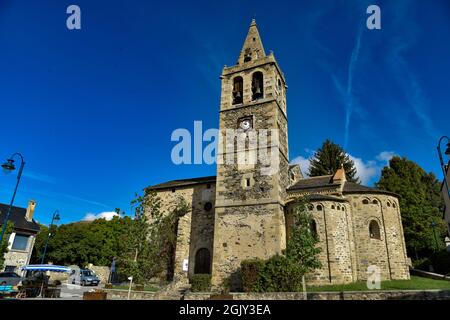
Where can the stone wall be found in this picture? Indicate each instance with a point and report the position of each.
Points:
(19, 258)
(388, 252)
(195, 229)
(335, 234)
(347, 295)
(245, 233)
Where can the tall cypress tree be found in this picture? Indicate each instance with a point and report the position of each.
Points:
(329, 158)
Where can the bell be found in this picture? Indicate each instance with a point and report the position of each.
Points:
(258, 90)
(237, 94)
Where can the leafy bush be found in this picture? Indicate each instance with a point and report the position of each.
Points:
(441, 262)
(282, 274)
(201, 282)
(251, 271)
(277, 274)
(422, 264)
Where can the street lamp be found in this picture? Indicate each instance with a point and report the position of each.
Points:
(55, 217)
(9, 166)
(447, 152)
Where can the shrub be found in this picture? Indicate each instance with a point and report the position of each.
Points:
(251, 271)
(441, 262)
(277, 274)
(201, 282)
(422, 264)
(282, 275)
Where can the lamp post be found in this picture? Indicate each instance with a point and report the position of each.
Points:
(9, 166)
(447, 152)
(54, 218)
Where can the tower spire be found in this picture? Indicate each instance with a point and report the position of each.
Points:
(253, 48)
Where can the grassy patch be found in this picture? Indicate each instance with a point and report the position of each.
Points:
(416, 283)
(126, 287)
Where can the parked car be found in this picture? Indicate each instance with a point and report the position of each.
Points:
(10, 279)
(84, 277)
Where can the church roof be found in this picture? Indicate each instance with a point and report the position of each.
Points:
(312, 184)
(321, 182)
(182, 183)
(327, 183)
(351, 187)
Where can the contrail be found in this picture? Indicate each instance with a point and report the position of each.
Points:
(349, 94)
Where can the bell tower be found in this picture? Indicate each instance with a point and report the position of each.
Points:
(252, 168)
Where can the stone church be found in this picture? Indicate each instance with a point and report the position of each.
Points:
(241, 213)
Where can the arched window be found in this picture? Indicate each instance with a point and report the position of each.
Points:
(279, 85)
(365, 201)
(319, 208)
(310, 207)
(338, 207)
(257, 86)
(332, 206)
(202, 261)
(375, 201)
(238, 90)
(394, 205)
(388, 204)
(374, 230)
(313, 228)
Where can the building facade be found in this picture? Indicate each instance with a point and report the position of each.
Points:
(243, 212)
(21, 241)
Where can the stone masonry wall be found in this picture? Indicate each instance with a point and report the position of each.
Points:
(195, 229)
(335, 241)
(388, 252)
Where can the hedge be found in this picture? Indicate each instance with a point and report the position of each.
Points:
(201, 282)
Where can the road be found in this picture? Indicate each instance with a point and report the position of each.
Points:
(75, 292)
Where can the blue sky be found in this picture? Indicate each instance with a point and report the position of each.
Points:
(92, 110)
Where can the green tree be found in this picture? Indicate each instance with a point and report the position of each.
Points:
(4, 244)
(301, 246)
(149, 245)
(329, 158)
(83, 242)
(39, 244)
(420, 202)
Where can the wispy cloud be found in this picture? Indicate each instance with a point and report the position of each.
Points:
(411, 88)
(85, 200)
(60, 196)
(39, 177)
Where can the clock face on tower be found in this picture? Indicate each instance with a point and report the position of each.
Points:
(245, 124)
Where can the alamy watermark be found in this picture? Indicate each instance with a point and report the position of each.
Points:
(244, 147)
